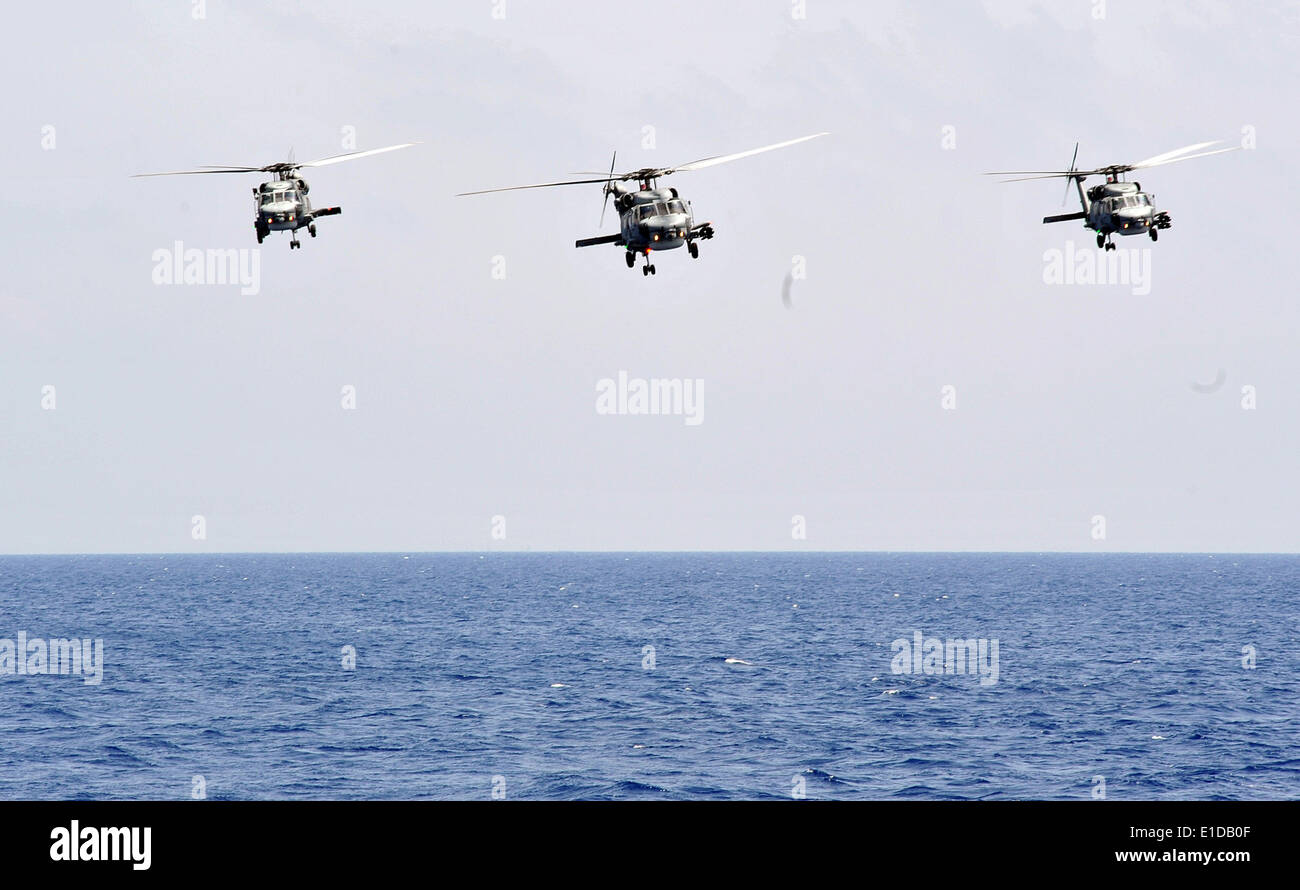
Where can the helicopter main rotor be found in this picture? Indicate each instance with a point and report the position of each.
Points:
(1113, 171)
(282, 169)
(646, 175)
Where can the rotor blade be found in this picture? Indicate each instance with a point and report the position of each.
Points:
(1068, 174)
(1038, 173)
(1044, 176)
(352, 155)
(1218, 151)
(722, 159)
(540, 185)
(192, 172)
(1177, 151)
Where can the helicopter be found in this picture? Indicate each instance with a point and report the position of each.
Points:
(1116, 207)
(651, 218)
(282, 203)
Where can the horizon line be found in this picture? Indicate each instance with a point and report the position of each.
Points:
(559, 552)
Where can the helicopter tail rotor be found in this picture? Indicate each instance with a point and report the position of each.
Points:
(1065, 197)
(608, 188)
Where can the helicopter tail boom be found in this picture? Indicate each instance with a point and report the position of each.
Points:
(1083, 195)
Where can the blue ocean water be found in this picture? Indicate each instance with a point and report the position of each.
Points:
(772, 675)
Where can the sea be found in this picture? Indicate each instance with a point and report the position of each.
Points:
(629, 676)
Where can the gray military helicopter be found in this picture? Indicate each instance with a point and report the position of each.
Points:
(1116, 207)
(282, 204)
(651, 218)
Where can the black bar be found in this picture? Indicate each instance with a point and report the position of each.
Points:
(657, 840)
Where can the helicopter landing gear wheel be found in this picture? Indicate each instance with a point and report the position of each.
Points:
(294, 244)
(260, 236)
(630, 257)
(647, 269)
(1101, 240)
(1155, 234)
(311, 230)
(694, 249)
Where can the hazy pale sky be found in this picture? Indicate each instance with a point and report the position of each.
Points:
(476, 395)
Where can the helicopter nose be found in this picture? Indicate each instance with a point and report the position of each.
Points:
(1134, 218)
(665, 229)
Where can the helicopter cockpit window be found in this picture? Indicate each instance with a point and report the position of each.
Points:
(676, 207)
(646, 211)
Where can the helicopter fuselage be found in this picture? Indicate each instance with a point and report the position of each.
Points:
(1116, 208)
(1121, 208)
(282, 205)
(654, 219)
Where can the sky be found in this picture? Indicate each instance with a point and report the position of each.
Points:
(930, 383)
